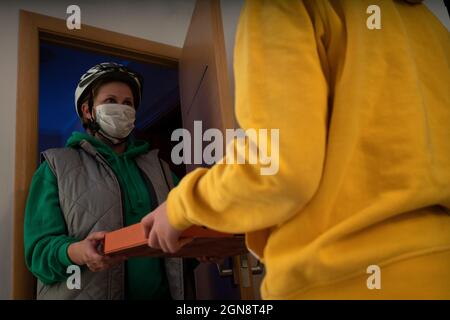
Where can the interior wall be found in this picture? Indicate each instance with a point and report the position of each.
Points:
(156, 20)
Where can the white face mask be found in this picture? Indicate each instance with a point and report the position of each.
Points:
(116, 121)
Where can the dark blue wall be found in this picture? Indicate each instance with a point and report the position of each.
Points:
(59, 71)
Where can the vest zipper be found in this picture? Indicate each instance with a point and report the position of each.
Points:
(100, 159)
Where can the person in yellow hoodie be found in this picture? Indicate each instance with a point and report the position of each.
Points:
(364, 155)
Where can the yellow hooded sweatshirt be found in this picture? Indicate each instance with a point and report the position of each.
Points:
(364, 153)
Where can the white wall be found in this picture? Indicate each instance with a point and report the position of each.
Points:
(439, 10)
(158, 20)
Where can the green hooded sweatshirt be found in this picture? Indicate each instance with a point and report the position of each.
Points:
(45, 231)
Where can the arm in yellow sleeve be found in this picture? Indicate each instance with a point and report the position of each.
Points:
(280, 84)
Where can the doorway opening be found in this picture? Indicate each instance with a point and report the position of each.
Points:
(60, 68)
(40, 40)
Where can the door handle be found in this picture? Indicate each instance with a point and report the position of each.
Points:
(258, 269)
(227, 272)
(224, 272)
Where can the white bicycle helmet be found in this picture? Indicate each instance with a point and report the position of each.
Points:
(109, 71)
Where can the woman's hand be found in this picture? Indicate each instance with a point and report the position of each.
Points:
(86, 252)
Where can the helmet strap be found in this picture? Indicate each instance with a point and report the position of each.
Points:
(91, 102)
(93, 126)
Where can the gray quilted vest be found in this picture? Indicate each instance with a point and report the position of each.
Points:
(90, 199)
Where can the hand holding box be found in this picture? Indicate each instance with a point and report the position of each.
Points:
(131, 241)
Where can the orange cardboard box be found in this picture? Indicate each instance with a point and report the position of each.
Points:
(131, 241)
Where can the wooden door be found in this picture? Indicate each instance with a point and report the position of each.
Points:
(206, 96)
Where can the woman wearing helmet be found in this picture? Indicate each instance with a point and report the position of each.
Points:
(101, 181)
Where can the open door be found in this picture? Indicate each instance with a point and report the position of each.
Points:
(206, 96)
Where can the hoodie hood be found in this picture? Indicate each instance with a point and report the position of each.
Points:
(134, 147)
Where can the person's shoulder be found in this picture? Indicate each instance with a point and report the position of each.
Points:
(43, 166)
(61, 158)
(60, 151)
(151, 152)
(43, 172)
